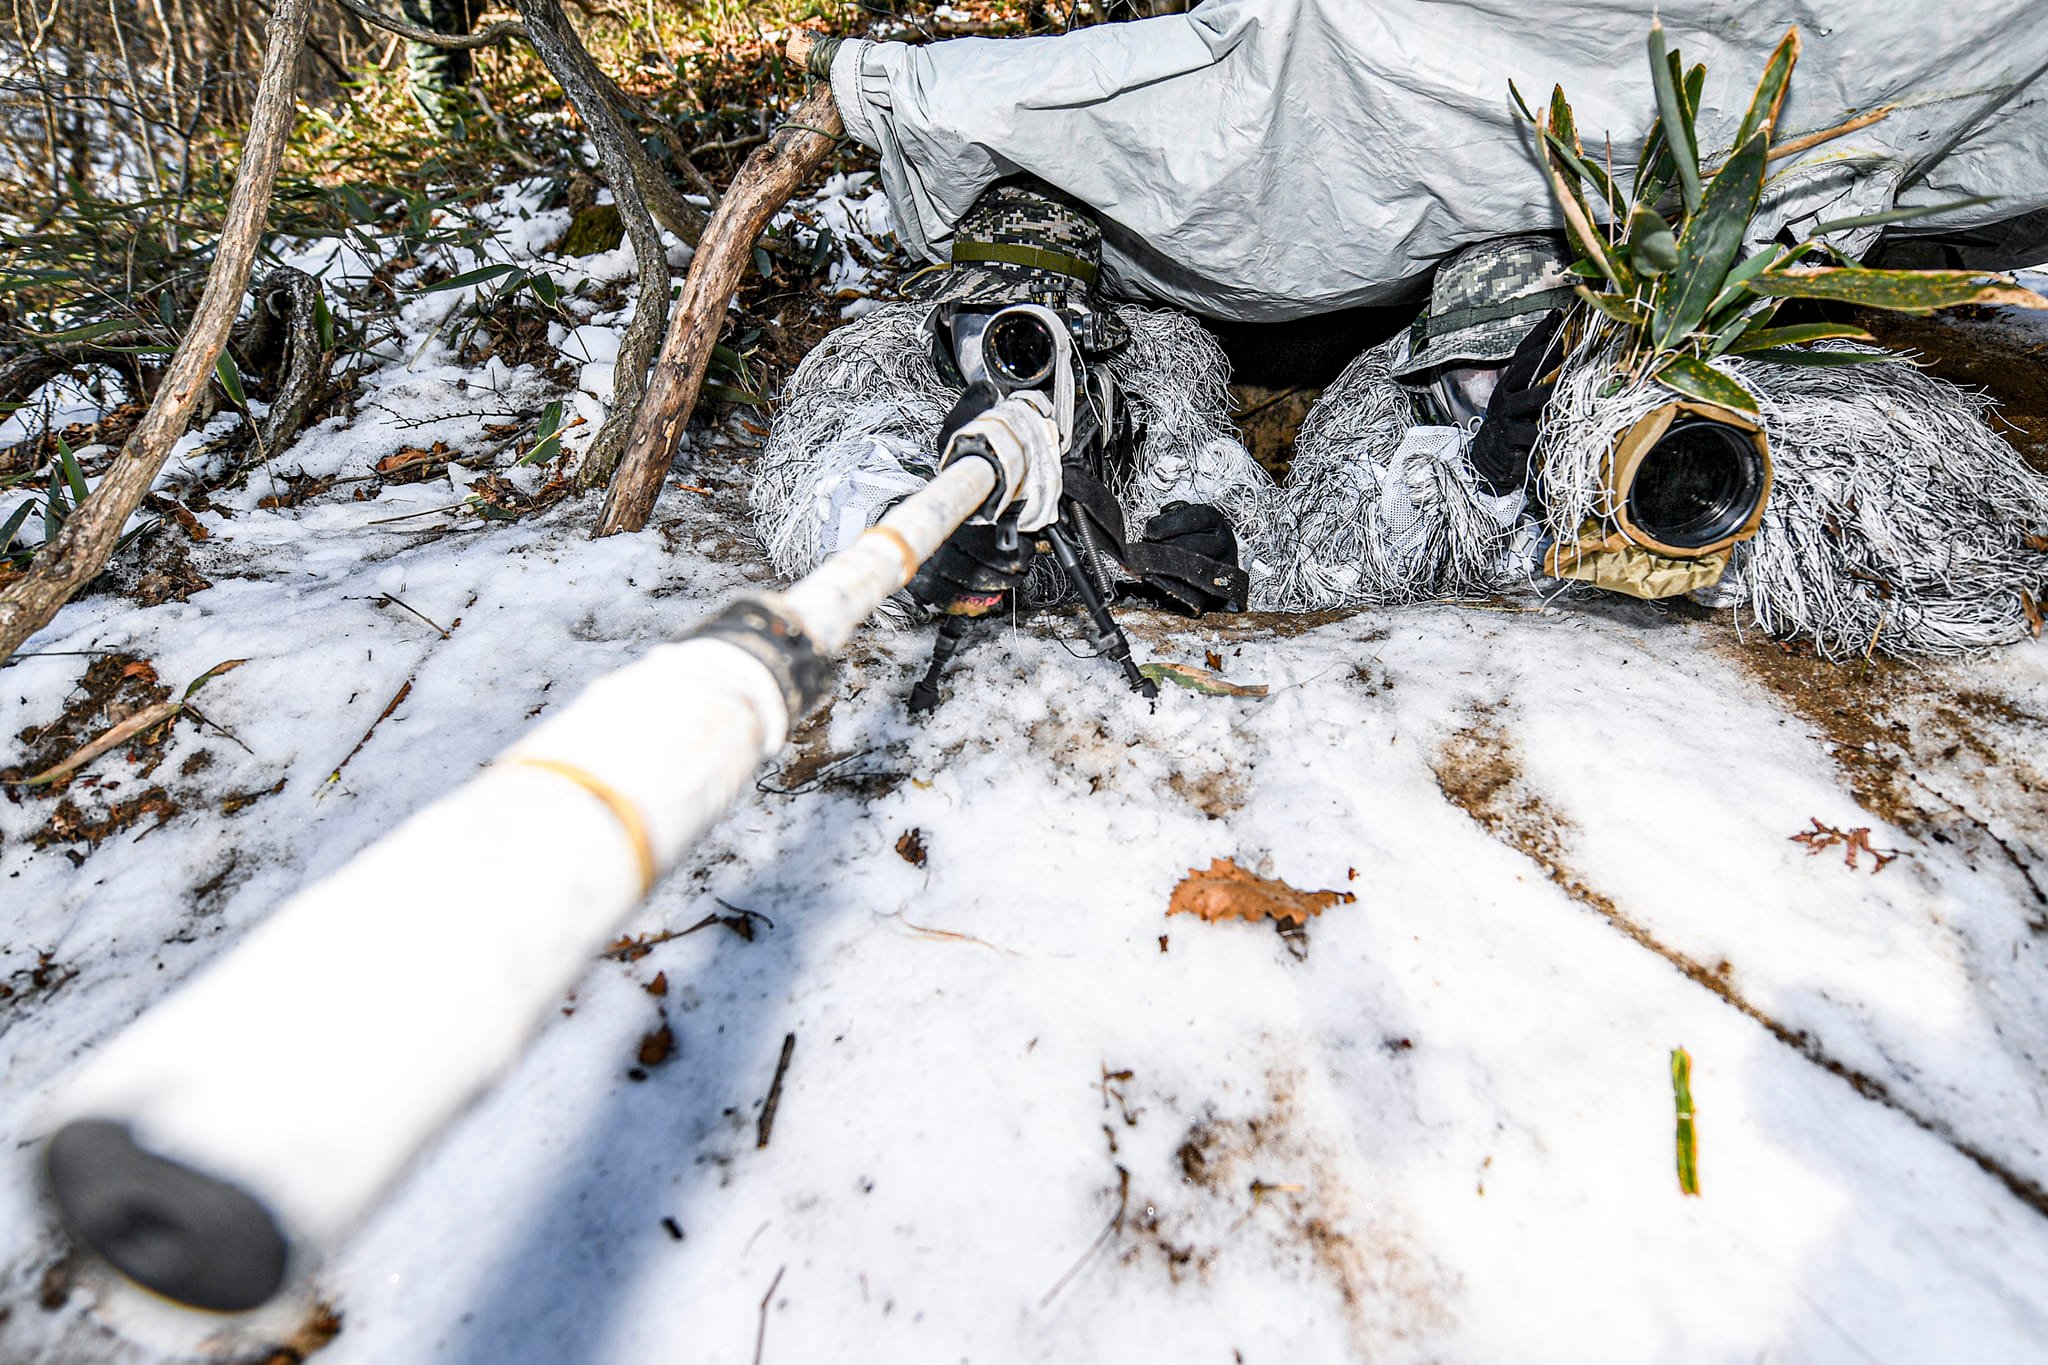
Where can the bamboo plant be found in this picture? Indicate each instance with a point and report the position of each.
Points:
(1663, 259)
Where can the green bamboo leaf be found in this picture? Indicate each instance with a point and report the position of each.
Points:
(1521, 105)
(73, 475)
(1898, 291)
(12, 526)
(1585, 238)
(1827, 360)
(1677, 122)
(727, 393)
(90, 331)
(1700, 381)
(1615, 308)
(546, 290)
(226, 666)
(55, 509)
(1687, 1135)
(1202, 680)
(1710, 243)
(230, 377)
(323, 320)
(1770, 90)
(548, 438)
(1764, 338)
(764, 262)
(481, 275)
(1653, 249)
(1899, 215)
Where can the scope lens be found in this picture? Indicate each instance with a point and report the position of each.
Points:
(1698, 485)
(1018, 349)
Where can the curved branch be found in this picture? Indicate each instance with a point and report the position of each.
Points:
(564, 55)
(81, 547)
(486, 36)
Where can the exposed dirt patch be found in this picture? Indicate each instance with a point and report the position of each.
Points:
(815, 766)
(1927, 748)
(115, 687)
(71, 823)
(1264, 1187)
(1479, 770)
(1216, 792)
(1268, 420)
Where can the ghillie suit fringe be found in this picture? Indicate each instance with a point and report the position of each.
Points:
(1375, 511)
(868, 402)
(1899, 520)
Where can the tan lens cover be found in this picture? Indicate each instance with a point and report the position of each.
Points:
(1615, 563)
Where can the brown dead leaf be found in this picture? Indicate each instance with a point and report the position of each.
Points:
(2033, 610)
(910, 848)
(1213, 660)
(1227, 891)
(1852, 843)
(658, 986)
(658, 1046)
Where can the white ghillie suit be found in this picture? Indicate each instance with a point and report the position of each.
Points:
(1379, 510)
(1899, 519)
(859, 421)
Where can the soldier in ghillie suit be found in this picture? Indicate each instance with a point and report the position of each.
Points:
(438, 77)
(1178, 508)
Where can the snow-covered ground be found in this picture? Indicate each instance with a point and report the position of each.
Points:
(1029, 1117)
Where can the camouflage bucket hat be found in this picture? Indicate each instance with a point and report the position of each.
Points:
(1483, 302)
(1019, 243)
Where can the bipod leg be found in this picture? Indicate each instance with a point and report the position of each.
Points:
(1103, 631)
(954, 631)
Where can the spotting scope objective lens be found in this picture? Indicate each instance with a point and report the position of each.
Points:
(1019, 349)
(1698, 485)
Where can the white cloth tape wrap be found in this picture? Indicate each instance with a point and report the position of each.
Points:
(1023, 434)
(313, 1061)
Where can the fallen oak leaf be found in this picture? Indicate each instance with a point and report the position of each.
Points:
(910, 848)
(1227, 891)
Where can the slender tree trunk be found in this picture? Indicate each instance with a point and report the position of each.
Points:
(89, 534)
(771, 174)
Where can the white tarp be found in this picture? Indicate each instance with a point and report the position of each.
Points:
(1263, 159)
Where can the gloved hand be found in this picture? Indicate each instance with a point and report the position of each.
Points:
(1187, 560)
(1500, 451)
(971, 573)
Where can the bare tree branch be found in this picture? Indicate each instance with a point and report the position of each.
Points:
(486, 36)
(548, 29)
(770, 175)
(81, 547)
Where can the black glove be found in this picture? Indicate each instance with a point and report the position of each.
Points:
(1187, 561)
(1500, 452)
(971, 573)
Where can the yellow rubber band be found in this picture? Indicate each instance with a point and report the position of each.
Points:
(911, 562)
(627, 814)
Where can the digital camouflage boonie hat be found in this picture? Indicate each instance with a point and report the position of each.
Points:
(1483, 301)
(1024, 242)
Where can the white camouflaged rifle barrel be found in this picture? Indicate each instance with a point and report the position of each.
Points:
(238, 1130)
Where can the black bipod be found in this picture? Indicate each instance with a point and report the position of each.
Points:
(1104, 634)
(1103, 631)
(954, 631)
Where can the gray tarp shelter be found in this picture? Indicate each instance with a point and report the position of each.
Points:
(1267, 159)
